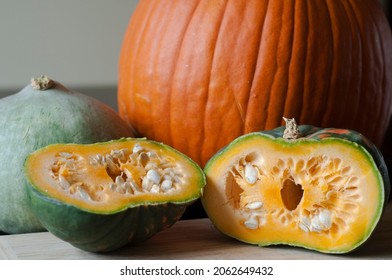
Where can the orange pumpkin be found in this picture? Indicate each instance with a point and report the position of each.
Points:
(196, 74)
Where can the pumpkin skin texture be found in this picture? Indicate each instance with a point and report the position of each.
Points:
(100, 197)
(324, 191)
(197, 74)
(33, 118)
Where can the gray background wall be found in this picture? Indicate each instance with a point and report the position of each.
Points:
(76, 42)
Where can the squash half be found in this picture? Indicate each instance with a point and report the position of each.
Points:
(99, 197)
(324, 191)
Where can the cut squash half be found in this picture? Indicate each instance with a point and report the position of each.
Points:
(101, 196)
(323, 190)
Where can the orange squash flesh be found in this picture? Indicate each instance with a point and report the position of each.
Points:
(81, 175)
(324, 195)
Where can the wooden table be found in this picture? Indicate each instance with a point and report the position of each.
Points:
(189, 239)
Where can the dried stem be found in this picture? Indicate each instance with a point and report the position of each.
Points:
(291, 131)
(42, 83)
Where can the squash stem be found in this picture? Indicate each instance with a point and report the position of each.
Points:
(291, 131)
(42, 83)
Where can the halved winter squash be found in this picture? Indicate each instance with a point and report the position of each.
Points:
(102, 196)
(322, 189)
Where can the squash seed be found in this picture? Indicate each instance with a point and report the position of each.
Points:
(325, 218)
(251, 223)
(146, 184)
(254, 205)
(155, 189)
(153, 176)
(167, 184)
(63, 182)
(250, 174)
(137, 148)
(119, 181)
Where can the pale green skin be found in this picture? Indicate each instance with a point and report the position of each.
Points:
(32, 119)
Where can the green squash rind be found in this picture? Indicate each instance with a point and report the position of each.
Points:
(96, 231)
(310, 134)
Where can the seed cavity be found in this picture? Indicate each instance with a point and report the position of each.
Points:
(291, 193)
(132, 171)
(332, 184)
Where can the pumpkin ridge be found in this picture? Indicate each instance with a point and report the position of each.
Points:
(248, 127)
(334, 64)
(275, 65)
(155, 109)
(295, 88)
(175, 67)
(355, 107)
(373, 33)
(149, 60)
(174, 96)
(384, 99)
(344, 33)
(208, 88)
(285, 93)
(128, 61)
(364, 33)
(311, 45)
(236, 95)
(268, 63)
(352, 104)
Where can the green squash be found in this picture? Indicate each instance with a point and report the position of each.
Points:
(43, 113)
(100, 197)
(321, 189)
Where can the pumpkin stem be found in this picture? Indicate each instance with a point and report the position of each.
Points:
(42, 83)
(291, 131)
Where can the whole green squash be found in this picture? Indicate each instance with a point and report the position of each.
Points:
(43, 113)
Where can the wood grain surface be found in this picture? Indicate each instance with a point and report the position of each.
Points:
(189, 239)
